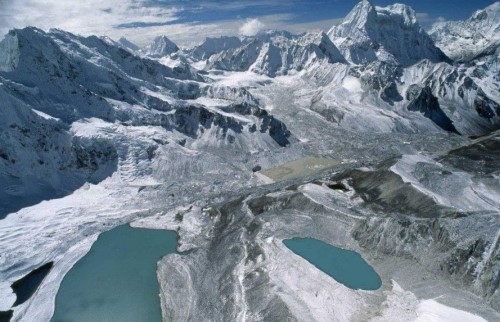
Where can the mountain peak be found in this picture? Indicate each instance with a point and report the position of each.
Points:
(399, 11)
(161, 46)
(356, 22)
(390, 33)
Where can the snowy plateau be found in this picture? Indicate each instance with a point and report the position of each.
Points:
(95, 133)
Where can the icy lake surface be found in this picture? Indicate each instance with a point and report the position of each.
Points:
(346, 267)
(295, 169)
(116, 280)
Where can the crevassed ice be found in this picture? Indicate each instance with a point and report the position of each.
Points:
(9, 53)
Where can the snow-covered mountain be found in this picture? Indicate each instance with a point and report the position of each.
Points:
(95, 133)
(473, 38)
(49, 81)
(160, 47)
(354, 96)
(389, 34)
(367, 68)
(211, 46)
(272, 53)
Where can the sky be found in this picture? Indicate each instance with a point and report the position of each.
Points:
(187, 22)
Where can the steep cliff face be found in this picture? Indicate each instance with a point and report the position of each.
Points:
(9, 53)
(422, 100)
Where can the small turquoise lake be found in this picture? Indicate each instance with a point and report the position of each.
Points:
(116, 280)
(345, 266)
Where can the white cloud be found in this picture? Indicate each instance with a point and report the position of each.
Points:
(252, 27)
(97, 17)
(423, 17)
(427, 21)
(82, 17)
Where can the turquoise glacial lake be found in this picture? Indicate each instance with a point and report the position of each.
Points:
(116, 280)
(345, 266)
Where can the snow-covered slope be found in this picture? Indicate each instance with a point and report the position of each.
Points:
(391, 59)
(470, 39)
(390, 34)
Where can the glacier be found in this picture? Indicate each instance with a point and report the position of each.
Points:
(96, 133)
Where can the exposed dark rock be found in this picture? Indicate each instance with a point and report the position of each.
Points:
(467, 85)
(480, 157)
(390, 93)
(382, 77)
(277, 130)
(385, 191)
(422, 100)
(484, 106)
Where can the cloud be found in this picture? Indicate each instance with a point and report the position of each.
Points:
(427, 21)
(82, 17)
(142, 20)
(423, 17)
(252, 27)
